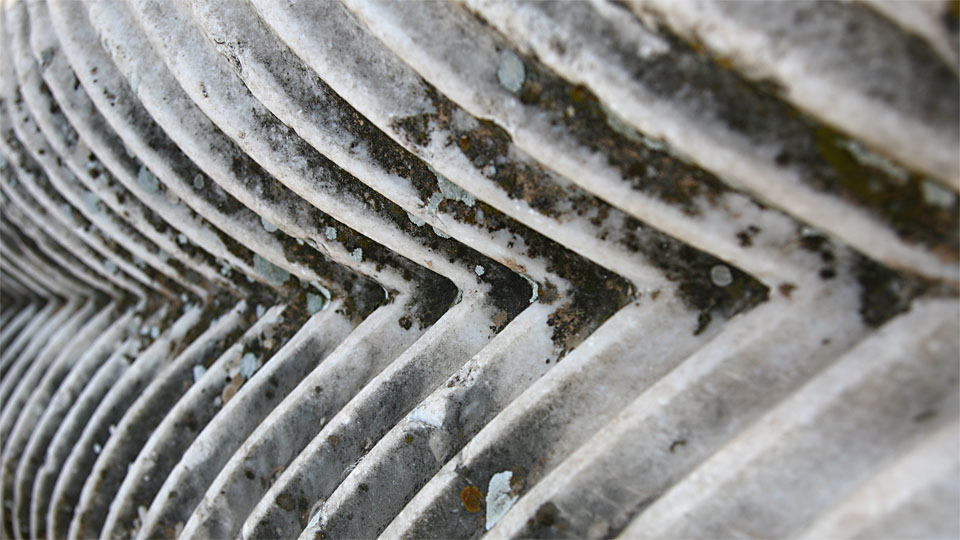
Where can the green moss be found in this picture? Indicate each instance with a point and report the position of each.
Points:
(899, 203)
(819, 154)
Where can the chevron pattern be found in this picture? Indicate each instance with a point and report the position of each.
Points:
(359, 268)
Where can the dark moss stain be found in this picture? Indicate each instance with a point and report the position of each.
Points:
(884, 293)
(184, 168)
(510, 293)
(786, 289)
(690, 269)
(898, 203)
(360, 295)
(200, 256)
(924, 415)
(597, 292)
(815, 242)
(648, 168)
(547, 522)
(218, 304)
(376, 144)
(434, 295)
(650, 171)
(745, 236)
(440, 295)
(595, 296)
(235, 248)
(818, 153)
(754, 110)
(487, 144)
(286, 502)
(295, 314)
(951, 18)
(432, 304)
(488, 147)
(154, 275)
(417, 128)
(125, 301)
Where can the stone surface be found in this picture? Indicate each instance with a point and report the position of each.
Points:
(451, 269)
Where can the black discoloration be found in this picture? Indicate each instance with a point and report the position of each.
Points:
(646, 164)
(489, 145)
(884, 293)
(690, 268)
(286, 502)
(596, 295)
(819, 154)
(547, 522)
(899, 203)
(650, 171)
(434, 303)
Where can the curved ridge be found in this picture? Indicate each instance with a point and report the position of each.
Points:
(349, 269)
